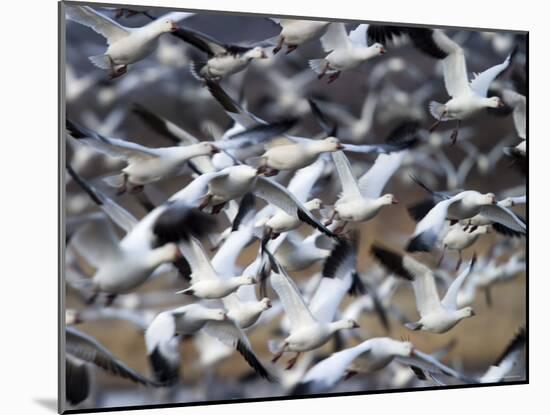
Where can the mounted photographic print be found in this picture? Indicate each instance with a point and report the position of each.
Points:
(261, 207)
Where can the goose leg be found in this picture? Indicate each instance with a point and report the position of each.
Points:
(459, 262)
(324, 71)
(291, 48)
(292, 362)
(333, 77)
(205, 202)
(331, 219)
(122, 189)
(278, 355)
(454, 134)
(280, 43)
(442, 256)
(340, 228)
(350, 374)
(137, 189)
(110, 300)
(217, 208)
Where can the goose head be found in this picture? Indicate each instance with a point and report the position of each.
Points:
(344, 324)
(205, 148)
(388, 199)
(314, 204)
(216, 314)
(167, 25)
(330, 144)
(245, 280)
(266, 303)
(377, 49)
(256, 53)
(465, 312)
(493, 102)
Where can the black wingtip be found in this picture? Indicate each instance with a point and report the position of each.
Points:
(253, 361)
(517, 343)
(179, 222)
(164, 371)
(506, 231)
(420, 243)
(221, 96)
(84, 185)
(248, 202)
(304, 217)
(391, 260)
(420, 209)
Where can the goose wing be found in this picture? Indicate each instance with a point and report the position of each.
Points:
(374, 180)
(504, 216)
(277, 195)
(350, 187)
(200, 264)
(231, 335)
(358, 36)
(101, 24)
(451, 297)
(90, 350)
(335, 37)
(482, 81)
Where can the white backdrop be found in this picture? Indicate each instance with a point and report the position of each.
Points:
(29, 203)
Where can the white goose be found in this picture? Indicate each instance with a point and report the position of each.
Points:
(458, 239)
(463, 205)
(300, 186)
(223, 59)
(436, 316)
(296, 32)
(126, 45)
(306, 331)
(467, 98)
(122, 265)
(507, 360)
(162, 343)
(205, 283)
(297, 253)
(147, 165)
(344, 51)
(361, 200)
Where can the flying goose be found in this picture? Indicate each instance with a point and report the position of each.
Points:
(223, 59)
(205, 283)
(463, 205)
(458, 239)
(80, 349)
(370, 356)
(125, 45)
(507, 360)
(467, 97)
(436, 316)
(296, 32)
(161, 338)
(344, 51)
(306, 331)
(122, 265)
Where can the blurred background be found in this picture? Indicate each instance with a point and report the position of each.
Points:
(386, 90)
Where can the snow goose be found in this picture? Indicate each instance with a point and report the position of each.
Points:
(242, 306)
(344, 51)
(205, 283)
(122, 265)
(126, 45)
(436, 316)
(297, 253)
(367, 357)
(161, 338)
(81, 349)
(467, 97)
(463, 205)
(300, 186)
(506, 362)
(223, 59)
(306, 331)
(458, 239)
(235, 181)
(361, 200)
(296, 32)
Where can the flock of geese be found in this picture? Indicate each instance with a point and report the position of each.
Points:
(265, 186)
